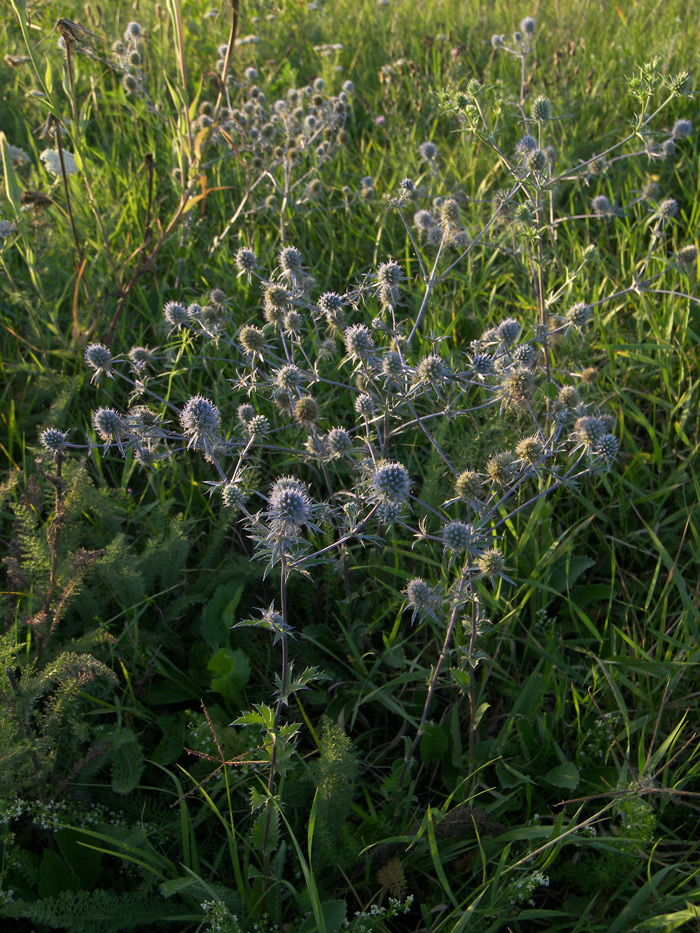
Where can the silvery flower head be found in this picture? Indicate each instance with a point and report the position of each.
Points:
(100, 359)
(290, 262)
(428, 151)
(201, 421)
(508, 330)
(525, 144)
(54, 441)
(579, 314)
(422, 598)
(390, 482)
(289, 506)
(109, 425)
(175, 315)
(457, 536)
(232, 496)
(289, 377)
(601, 206)
(527, 25)
(358, 342)
(682, 129)
(133, 31)
(667, 209)
(541, 109)
(339, 442)
(589, 431)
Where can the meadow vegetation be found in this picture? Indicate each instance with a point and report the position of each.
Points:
(349, 493)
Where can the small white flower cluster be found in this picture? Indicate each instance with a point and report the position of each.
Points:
(52, 162)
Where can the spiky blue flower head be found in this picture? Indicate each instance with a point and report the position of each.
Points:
(457, 536)
(54, 441)
(140, 357)
(579, 314)
(258, 426)
(668, 150)
(290, 506)
(608, 446)
(392, 365)
(108, 423)
(133, 31)
(339, 442)
(390, 482)
(432, 369)
(589, 430)
(525, 144)
(389, 273)
(601, 206)
(290, 260)
(497, 41)
(682, 129)
(482, 364)
(687, 255)
(428, 151)
(525, 354)
(232, 496)
(667, 209)
(194, 311)
(251, 74)
(541, 109)
(407, 185)
(100, 358)
(200, 419)
(289, 377)
(449, 213)
(421, 598)
(175, 314)
(469, 486)
(331, 304)
(536, 161)
(527, 25)
(358, 342)
(245, 412)
(423, 220)
(508, 331)
(364, 405)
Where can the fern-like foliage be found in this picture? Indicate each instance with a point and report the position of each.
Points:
(335, 775)
(92, 911)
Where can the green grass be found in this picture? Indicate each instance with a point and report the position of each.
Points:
(578, 760)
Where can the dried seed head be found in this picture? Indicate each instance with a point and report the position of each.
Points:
(568, 397)
(469, 486)
(306, 410)
(252, 339)
(530, 449)
(500, 468)
(519, 388)
(492, 563)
